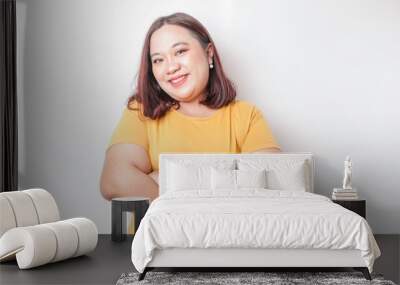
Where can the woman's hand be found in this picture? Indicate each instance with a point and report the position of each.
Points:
(154, 175)
(267, 150)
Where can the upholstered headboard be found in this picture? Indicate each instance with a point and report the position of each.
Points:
(238, 161)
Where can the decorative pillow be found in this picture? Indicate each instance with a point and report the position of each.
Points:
(223, 179)
(251, 178)
(185, 175)
(236, 179)
(282, 174)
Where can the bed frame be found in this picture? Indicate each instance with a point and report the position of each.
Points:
(247, 259)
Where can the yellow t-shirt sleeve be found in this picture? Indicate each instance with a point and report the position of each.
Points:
(259, 134)
(131, 129)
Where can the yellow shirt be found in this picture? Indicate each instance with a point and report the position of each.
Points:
(238, 127)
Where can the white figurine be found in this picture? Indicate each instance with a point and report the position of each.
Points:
(347, 173)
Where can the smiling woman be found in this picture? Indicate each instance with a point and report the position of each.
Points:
(181, 70)
(183, 102)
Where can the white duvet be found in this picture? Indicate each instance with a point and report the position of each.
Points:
(251, 218)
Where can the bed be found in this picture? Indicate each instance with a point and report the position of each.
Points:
(244, 211)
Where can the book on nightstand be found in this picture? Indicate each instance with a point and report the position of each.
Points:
(344, 194)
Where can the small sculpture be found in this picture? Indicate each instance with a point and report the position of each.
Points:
(347, 173)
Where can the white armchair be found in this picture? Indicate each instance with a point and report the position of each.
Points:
(32, 233)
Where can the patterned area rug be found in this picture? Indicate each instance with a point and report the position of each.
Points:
(269, 278)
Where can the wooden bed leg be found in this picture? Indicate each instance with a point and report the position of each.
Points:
(143, 274)
(364, 271)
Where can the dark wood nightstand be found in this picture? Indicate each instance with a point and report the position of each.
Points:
(357, 206)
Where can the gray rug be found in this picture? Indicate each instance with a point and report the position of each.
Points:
(270, 278)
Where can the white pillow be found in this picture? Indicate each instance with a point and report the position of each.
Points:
(186, 175)
(251, 178)
(282, 174)
(223, 179)
(236, 179)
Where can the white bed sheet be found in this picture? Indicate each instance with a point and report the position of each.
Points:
(250, 218)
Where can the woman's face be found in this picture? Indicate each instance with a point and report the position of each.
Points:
(179, 63)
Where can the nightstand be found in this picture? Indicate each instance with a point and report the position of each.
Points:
(357, 206)
(119, 205)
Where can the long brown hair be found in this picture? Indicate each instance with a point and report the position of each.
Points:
(154, 101)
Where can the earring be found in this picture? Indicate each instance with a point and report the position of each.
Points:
(211, 65)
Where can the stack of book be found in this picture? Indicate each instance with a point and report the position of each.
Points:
(344, 194)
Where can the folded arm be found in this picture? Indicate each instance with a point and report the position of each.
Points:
(127, 172)
(267, 150)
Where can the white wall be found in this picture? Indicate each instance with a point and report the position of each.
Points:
(325, 73)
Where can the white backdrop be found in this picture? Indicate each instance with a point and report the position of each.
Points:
(325, 74)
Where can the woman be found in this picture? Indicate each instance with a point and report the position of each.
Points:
(183, 103)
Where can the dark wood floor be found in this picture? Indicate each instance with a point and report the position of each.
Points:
(102, 266)
(110, 260)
